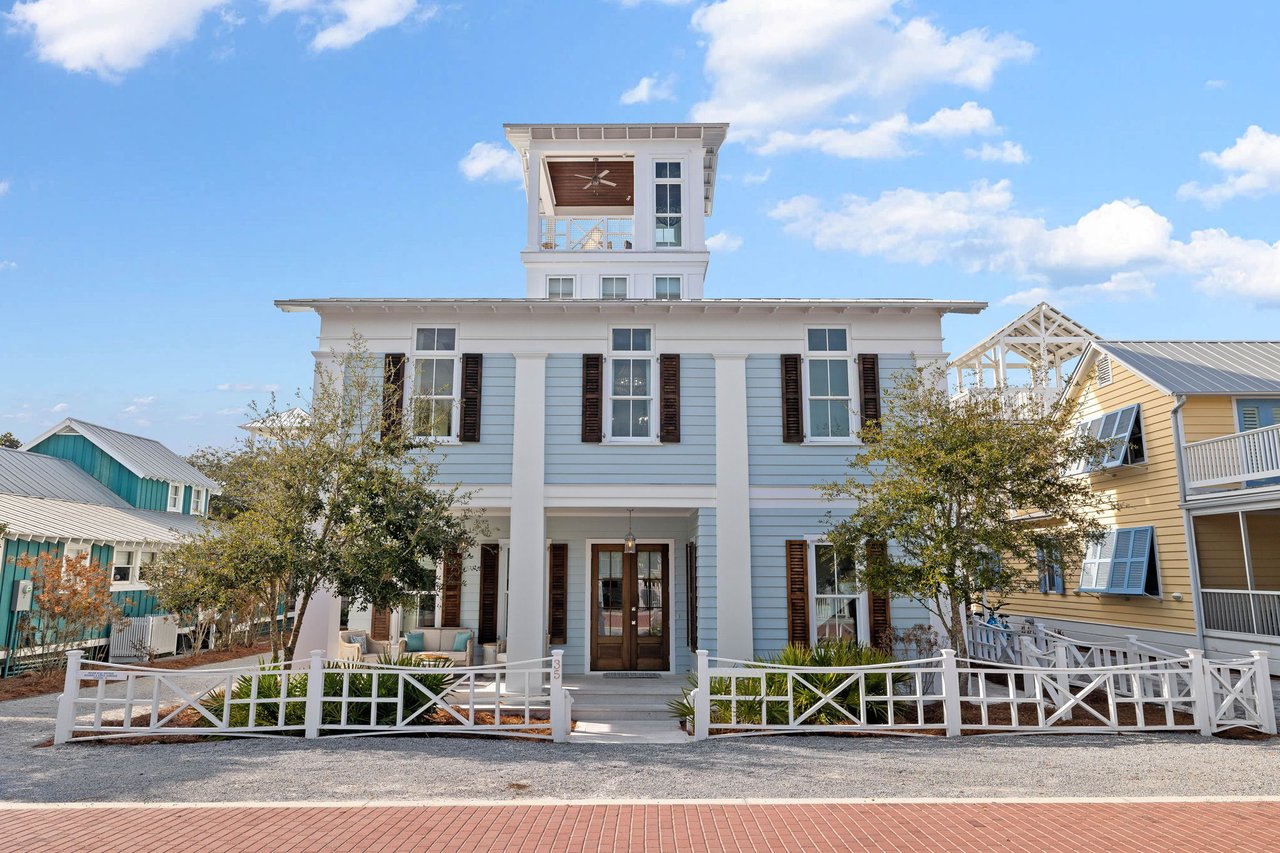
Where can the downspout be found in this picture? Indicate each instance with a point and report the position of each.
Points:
(1193, 561)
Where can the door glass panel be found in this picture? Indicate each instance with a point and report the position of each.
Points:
(649, 621)
(609, 594)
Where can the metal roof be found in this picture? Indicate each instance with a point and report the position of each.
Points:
(48, 518)
(1202, 367)
(35, 475)
(145, 457)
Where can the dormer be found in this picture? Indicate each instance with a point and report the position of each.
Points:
(617, 209)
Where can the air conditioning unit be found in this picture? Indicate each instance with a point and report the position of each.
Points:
(137, 637)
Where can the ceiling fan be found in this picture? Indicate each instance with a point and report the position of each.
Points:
(594, 181)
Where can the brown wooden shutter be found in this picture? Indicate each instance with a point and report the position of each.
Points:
(669, 379)
(869, 383)
(792, 401)
(691, 591)
(558, 593)
(451, 596)
(380, 624)
(469, 402)
(798, 592)
(878, 603)
(392, 393)
(593, 398)
(488, 629)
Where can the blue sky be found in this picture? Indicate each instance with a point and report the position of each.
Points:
(169, 167)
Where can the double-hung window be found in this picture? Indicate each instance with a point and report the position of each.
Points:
(175, 497)
(1123, 562)
(123, 568)
(630, 384)
(560, 287)
(435, 381)
(667, 287)
(669, 222)
(827, 382)
(613, 287)
(838, 605)
(197, 501)
(1122, 430)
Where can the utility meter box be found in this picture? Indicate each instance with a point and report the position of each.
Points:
(21, 596)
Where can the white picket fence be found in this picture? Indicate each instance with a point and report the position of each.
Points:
(322, 697)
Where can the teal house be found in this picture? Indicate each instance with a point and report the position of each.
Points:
(82, 488)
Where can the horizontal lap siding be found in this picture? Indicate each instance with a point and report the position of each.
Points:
(1150, 497)
(487, 461)
(1208, 417)
(774, 463)
(97, 463)
(690, 462)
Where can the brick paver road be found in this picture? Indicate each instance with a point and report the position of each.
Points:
(1066, 826)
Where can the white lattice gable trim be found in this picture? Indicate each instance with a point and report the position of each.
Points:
(1040, 349)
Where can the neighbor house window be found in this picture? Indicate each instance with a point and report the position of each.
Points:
(197, 501)
(1049, 567)
(613, 287)
(1122, 430)
(435, 364)
(1123, 562)
(666, 287)
(560, 287)
(668, 225)
(630, 385)
(175, 497)
(837, 602)
(827, 383)
(123, 568)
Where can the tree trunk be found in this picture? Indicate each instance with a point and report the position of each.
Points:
(955, 630)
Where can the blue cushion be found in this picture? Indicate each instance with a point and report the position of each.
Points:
(460, 640)
(360, 640)
(415, 641)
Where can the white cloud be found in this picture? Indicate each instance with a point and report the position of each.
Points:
(107, 37)
(979, 229)
(1121, 287)
(355, 19)
(1252, 166)
(60, 407)
(7, 265)
(793, 66)
(490, 161)
(649, 89)
(887, 138)
(658, 2)
(724, 242)
(1215, 84)
(1005, 152)
(244, 386)
(757, 178)
(4, 187)
(145, 401)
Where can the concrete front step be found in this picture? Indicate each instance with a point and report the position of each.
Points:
(629, 731)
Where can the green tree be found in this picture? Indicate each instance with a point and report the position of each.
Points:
(970, 492)
(332, 501)
(10, 441)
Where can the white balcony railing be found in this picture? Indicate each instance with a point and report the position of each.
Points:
(1014, 397)
(1241, 611)
(586, 233)
(1235, 458)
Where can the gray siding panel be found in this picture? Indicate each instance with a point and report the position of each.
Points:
(487, 461)
(690, 462)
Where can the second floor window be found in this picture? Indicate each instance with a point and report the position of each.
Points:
(827, 371)
(435, 364)
(1122, 430)
(630, 383)
(197, 501)
(613, 287)
(122, 568)
(175, 497)
(668, 205)
(560, 287)
(666, 287)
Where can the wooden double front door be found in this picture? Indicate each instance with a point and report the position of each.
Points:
(630, 608)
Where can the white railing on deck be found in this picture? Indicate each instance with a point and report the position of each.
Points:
(992, 643)
(1253, 454)
(586, 233)
(1240, 611)
(322, 697)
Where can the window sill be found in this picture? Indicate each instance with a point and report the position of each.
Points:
(626, 442)
(831, 442)
(129, 586)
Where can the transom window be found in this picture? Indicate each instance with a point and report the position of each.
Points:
(434, 391)
(613, 287)
(668, 224)
(630, 383)
(827, 382)
(560, 287)
(666, 287)
(837, 601)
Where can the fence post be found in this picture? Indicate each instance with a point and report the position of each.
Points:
(315, 693)
(1262, 678)
(702, 698)
(951, 692)
(1200, 690)
(1040, 635)
(66, 721)
(1063, 678)
(559, 707)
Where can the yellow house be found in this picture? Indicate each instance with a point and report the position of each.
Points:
(1192, 558)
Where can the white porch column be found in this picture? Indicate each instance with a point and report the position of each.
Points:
(734, 636)
(527, 619)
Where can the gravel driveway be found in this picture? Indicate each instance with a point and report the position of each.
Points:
(375, 768)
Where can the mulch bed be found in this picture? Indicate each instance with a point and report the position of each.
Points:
(31, 684)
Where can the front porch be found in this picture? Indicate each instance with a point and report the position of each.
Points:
(1238, 560)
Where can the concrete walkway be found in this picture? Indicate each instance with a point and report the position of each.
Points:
(948, 826)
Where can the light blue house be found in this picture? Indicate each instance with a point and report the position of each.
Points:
(83, 488)
(649, 459)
